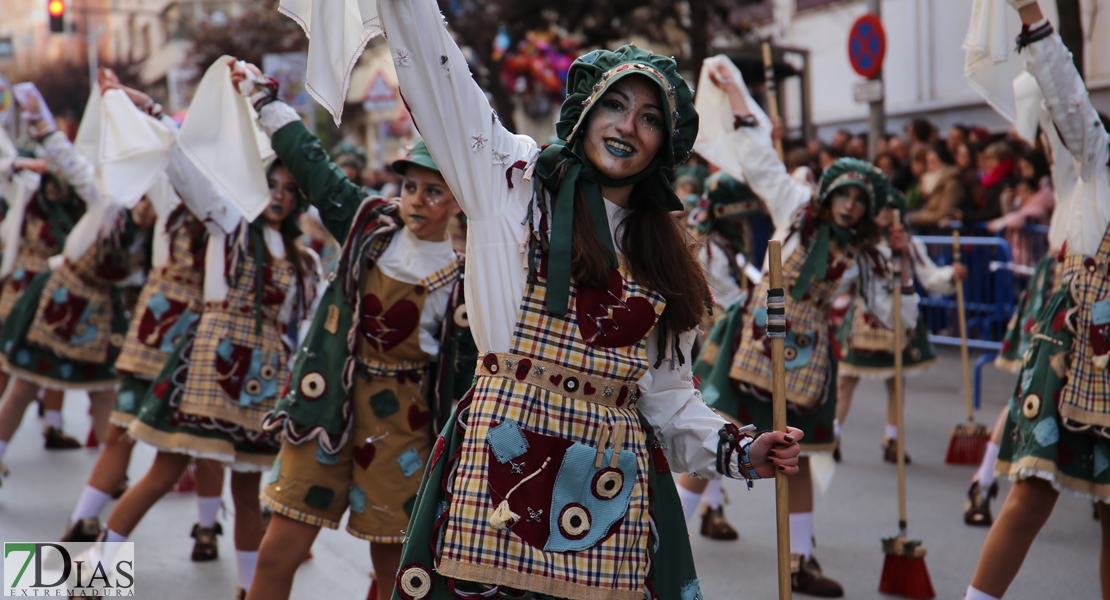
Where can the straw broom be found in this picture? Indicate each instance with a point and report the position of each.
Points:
(969, 440)
(904, 571)
(776, 330)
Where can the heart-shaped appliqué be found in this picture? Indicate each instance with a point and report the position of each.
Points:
(364, 455)
(609, 320)
(386, 330)
(418, 418)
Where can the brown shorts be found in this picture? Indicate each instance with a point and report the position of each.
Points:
(376, 479)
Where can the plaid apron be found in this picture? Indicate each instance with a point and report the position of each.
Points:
(377, 472)
(236, 374)
(1085, 398)
(559, 390)
(866, 342)
(808, 362)
(38, 245)
(169, 301)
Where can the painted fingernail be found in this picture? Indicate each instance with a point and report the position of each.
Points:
(789, 439)
(782, 468)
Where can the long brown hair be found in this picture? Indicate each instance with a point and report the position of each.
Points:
(656, 251)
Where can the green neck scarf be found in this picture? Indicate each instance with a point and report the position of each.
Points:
(288, 228)
(816, 266)
(563, 170)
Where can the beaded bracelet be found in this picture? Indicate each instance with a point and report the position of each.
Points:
(734, 442)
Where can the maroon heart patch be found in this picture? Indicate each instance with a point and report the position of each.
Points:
(364, 455)
(588, 389)
(556, 378)
(418, 419)
(386, 330)
(609, 320)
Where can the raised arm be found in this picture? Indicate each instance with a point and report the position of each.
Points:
(465, 137)
(73, 167)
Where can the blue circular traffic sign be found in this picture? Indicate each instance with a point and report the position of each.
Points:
(867, 45)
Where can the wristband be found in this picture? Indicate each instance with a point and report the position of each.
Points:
(1030, 35)
(739, 121)
(732, 454)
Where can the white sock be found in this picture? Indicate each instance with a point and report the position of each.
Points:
(712, 495)
(112, 537)
(54, 418)
(986, 468)
(3, 447)
(836, 427)
(891, 432)
(247, 562)
(115, 537)
(690, 501)
(974, 594)
(207, 509)
(90, 504)
(801, 533)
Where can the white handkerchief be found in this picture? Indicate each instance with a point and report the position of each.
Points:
(987, 60)
(346, 27)
(25, 90)
(134, 150)
(87, 142)
(715, 114)
(221, 140)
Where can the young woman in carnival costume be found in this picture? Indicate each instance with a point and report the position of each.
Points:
(223, 376)
(827, 239)
(168, 303)
(1032, 119)
(45, 200)
(1057, 431)
(359, 411)
(863, 340)
(721, 220)
(552, 478)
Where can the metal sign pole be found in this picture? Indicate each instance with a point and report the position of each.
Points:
(878, 115)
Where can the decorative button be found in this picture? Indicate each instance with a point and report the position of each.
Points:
(574, 522)
(1031, 406)
(608, 483)
(313, 385)
(571, 384)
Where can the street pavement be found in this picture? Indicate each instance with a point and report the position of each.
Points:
(859, 508)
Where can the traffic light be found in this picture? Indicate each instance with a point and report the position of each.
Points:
(57, 11)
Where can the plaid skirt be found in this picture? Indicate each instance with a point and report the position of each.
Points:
(27, 267)
(1036, 440)
(862, 351)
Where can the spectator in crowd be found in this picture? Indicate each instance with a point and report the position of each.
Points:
(997, 166)
(840, 140)
(886, 163)
(903, 175)
(940, 189)
(916, 170)
(857, 147)
(921, 131)
(827, 156)
(957, 134)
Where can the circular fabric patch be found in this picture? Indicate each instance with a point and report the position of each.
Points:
(267, 372)
(116, 340)
(461, 318)
(574, 521)
(313, 385)
(608, 483)
(1031, 406)
(790, 353)
(802, 341)
(253, 387)
(414, 582)
(490, 363)
(570, 384)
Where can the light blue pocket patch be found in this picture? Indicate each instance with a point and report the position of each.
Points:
(506, 441)
(760, 316)
(66, 369)
(19, 274)
(60, 296)
(224, 349)
(583, 510)
(1100, 312)
(324, 458)
(710, 393)
(126, 401)
(275, 471)
(89, 333)
(357, 498)
(1101, 461)
(22, 357)
(691, 590)
(178, 329)
(1046, 433)
(158, 305)
(409, 462)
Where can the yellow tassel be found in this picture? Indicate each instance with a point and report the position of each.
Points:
(503, 517)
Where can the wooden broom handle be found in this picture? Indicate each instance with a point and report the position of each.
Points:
(899, 384)
(778, 405)
(961, 313)
(772, 93)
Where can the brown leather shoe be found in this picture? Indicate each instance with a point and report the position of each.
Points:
(977, 510)
(890, 452)
(836, 451)
(56, 439)
(84, 530)
(715, 526)
(240, 594)
(807, 578)
(206, 547)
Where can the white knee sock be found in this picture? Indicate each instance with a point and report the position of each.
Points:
(801, 533)
(3, 447)
(207, 509)
(247, 562)
(712, 495)
(90, 504)
(891, 432)
(836, 427)
(54, 418)
(974, 594)
(986, 468)
(112, 537)
(690, 501)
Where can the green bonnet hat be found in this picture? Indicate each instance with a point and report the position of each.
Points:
(726, 198)
(563, 167)
(418, 156)
(854, 172)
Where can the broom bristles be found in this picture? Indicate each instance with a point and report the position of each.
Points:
(968, 444)
(187, 483)
(907, 577)
(91, 441)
